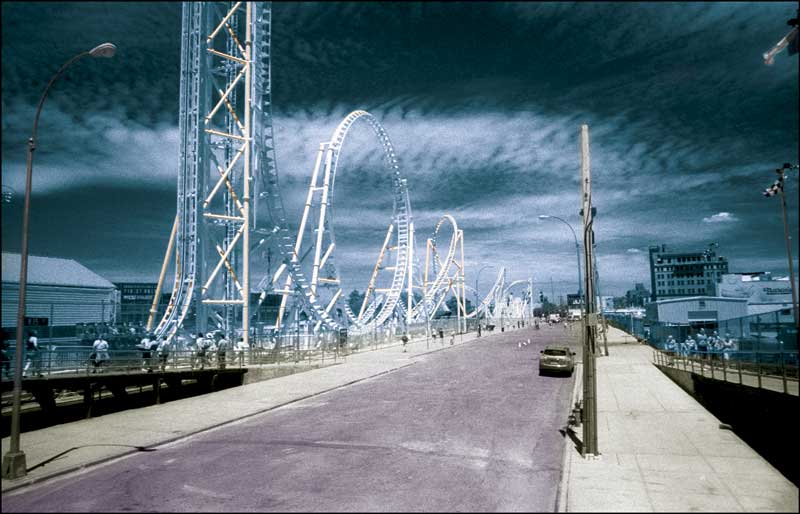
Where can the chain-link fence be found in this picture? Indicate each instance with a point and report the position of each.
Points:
(760, 348)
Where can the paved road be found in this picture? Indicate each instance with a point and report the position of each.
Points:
(472, 428)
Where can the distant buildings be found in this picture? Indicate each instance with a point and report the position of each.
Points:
(605, 303)
(636, 297)
(135, 301)
(574, 306)
(763, 293)
(682, 274)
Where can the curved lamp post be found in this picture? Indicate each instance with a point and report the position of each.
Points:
(577, 250)
(14, 460)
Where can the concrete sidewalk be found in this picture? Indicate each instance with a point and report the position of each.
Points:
(71, 446)
(661, 451)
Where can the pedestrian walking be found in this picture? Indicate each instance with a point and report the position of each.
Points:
(728, 346)
(203, 343)
(100, 354)
(452, 338)
(222, 349)
(194, 351)
(32, 355)
(405, 342)
(6, 360)
(144, 347)
(240, 349)
(162, 349)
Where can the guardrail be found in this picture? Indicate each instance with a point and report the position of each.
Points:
(765, 370)
(77, 359)
(72, 361)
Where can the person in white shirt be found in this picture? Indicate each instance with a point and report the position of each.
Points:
(728, 346)
(670, 344)
(240, 349)
(222, 347)
(32, 354)
(144, 346)
(203, 347)
(100, 351)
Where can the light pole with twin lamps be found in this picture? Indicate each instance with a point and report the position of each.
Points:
(14, 460)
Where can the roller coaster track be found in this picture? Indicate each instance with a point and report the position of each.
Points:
(227, 147)
(215, 151)
(322, 239)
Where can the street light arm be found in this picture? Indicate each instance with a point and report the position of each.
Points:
(567, 224)
(577, 249)
(47, 90)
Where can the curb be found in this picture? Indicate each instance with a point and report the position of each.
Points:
(562, 495)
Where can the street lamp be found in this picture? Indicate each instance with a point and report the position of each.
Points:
(577, 250)
(14, 460)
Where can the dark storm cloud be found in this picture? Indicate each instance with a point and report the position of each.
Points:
(483, 102)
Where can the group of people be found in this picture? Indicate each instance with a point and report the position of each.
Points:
(703, 344)
(203, 348)
(215, 343)
(152, 347)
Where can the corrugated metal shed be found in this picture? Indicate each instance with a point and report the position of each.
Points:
(61, 290)
(697, 309)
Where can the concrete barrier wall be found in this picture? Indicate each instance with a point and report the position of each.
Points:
(766, 420)
(255, 374)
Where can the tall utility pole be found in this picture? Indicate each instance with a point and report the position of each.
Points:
(590, 320)
(788, 240)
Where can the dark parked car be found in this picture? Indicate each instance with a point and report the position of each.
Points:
(556, 359)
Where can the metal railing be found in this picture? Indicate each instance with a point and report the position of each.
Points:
(765, 370)
(295, 349)
(72, 361)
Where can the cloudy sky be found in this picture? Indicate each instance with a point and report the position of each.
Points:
(483, 102)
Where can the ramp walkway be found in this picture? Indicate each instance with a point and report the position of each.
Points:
(661, 451)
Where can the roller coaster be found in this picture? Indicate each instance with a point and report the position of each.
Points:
(230, 212)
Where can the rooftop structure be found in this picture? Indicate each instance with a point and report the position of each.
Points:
(52, 271)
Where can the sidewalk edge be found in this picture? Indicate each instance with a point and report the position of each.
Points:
(562, 495)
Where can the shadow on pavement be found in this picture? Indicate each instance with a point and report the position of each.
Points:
(51, 459)
(572, 435)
